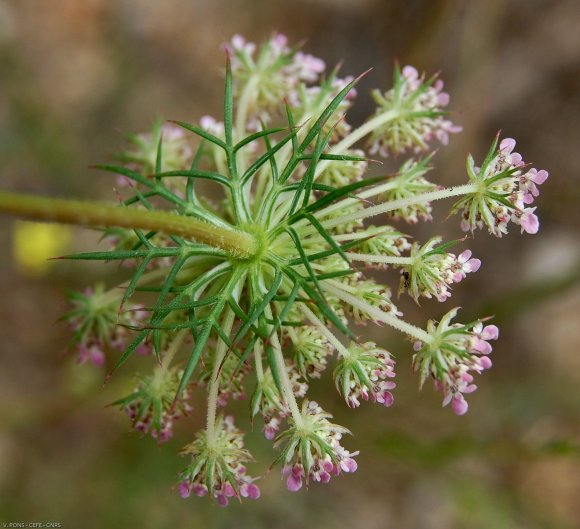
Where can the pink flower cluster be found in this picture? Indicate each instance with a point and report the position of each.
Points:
(223, 491)
(506, 176)
(276, 71)
(432, 271)
(365, 372)
(455, 271)
(217, 465)
(321, 470)
(158, 417)
(452, 357)
(314, 452)
(99, 328)
(458, 380)
(418, 105)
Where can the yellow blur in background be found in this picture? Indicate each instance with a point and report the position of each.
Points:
(35, 243)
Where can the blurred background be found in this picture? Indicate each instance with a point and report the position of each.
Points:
(75, 76)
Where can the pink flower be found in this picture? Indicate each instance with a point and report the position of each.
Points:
(507, 145)
(459, 405)
(271, 428)
(308, 67)
(92, 353)
(249, 490)
(479, 339)
(294, 481)
(381, 393)
(222, 495)
(184, 489)
(529, 221)
(465, 264)
(529, 182)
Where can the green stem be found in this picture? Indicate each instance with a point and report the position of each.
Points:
(173, 348)
(378, 314)
(359, 134)
(334, 341)
(283, 373)
(285, 381)
(238, 244)
(220, 354)
(258, 362)
(393, 205)
(380, 259)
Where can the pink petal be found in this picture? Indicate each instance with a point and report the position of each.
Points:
(410, 72)
(507, 145)
(348, 465)
(481, 346)
(516, 158)
(229, 490)
(386, 398)
(222, 500)
(484, 362)
(199, 490)
(294, 483)
(184, 489)
(474, 264)
(490, 332)
(540, 177)
(464, 256)
(250, 491)
(459, 405)
(443, 99)
(529, 221)
(528, 199)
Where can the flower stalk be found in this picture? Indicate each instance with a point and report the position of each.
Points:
(94, 214)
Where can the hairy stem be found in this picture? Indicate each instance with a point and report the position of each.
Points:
(334, 341)
(221, 350)
(285, 380)
(238, 244)
(379, 259)
(173, 348)
(393, 205)
(359, 134)
(377, 314)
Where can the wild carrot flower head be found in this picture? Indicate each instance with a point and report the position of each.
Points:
(257, 290)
